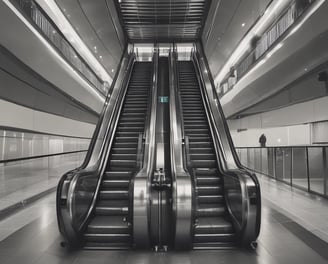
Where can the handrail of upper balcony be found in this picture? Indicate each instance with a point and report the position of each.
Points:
(266, 42)
(52, 33)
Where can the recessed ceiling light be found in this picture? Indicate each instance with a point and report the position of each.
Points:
(100, 57)
(112, 70)
(243, 24)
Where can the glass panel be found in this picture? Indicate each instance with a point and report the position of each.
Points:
(271, 162)
(299, 168)
(287, 176)
(279, 168)
(250, 154)
(316, 169)
(243, 157)
(326, 171)
(257, 159)
(264, 160)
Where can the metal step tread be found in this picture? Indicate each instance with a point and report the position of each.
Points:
(214, 245)
(108, 222)
(213, 223)
(107, 246)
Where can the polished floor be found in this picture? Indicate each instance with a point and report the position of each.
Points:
(31, 236)
(22, 180)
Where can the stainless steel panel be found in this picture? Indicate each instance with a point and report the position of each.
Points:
(163, 20)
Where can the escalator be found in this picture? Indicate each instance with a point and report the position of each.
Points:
(211, 223)
(160, 171)
(110, 226)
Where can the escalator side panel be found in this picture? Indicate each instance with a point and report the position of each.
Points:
(212, 225)
(111, 224)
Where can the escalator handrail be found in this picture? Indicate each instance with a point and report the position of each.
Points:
(109, 138)
(249, 225)
(141, 182)
(67, 187)
(181, 179)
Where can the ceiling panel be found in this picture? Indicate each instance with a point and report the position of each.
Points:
(227, 23)
(98, 25)
(163, 20)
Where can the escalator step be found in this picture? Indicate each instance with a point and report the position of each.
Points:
(129, 129)
(107, 246)
(123, 156)
(204, 163)
(124, 150)
(210, 210)
(214, 245)
(202, 156)
(107, 237)
(210, 199)
(115, 184)
(126, 139)
(132, 124)
(128, 145)
(216, 237)
(123, 163)
(213, 225)
(209, 190)
(205, 180)
(190, 131)
(112, 207)
(201, 150)
(206, 172)
(109, 224)
(113, 194)
(118, 174)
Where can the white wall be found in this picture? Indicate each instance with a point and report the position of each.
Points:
(13, 115)
(286, 126)
(302, 113)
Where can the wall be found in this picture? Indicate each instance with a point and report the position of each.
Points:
(16, 145)
(276, 136)
(286, 126)
(21, 117)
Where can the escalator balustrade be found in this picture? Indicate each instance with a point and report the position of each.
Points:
(110, 226)
(212, 227)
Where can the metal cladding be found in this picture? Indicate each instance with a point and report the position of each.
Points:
(163, 20)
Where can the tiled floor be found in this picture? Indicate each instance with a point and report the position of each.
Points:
(22, 180)
(310, 211)
(31, 236)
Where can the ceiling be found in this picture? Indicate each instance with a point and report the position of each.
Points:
(227, 23)
(163, 20)
(98, 25)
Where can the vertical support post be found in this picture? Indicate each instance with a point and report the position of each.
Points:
(307, 167)
(325, 170)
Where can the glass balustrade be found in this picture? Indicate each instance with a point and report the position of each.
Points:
(304, 167)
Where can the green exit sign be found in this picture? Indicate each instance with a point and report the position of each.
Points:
(163, 99)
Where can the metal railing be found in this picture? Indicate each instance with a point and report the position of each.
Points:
(304, 167)
(50, 31)
(267, 41)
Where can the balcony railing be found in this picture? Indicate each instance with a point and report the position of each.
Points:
(50, 31)
(304, 167)
(265, 43)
